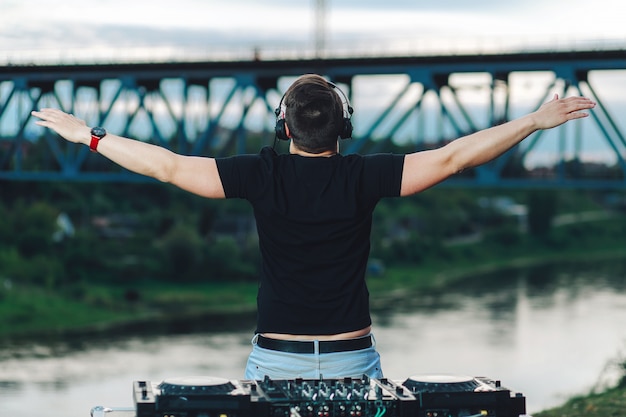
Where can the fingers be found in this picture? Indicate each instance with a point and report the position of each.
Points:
(576, 104)
(64, 124)
(49, 113)
(573, 105)
(46, 115)
(582, 101)
(50, 116)
(558, 111)
(45, 112)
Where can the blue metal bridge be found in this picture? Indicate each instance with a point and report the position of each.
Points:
(402, 103)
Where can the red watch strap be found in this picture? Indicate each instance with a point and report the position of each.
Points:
(93, 145)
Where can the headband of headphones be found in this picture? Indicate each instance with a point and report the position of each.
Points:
(346, 128)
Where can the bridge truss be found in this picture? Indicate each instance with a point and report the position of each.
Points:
(219, 108)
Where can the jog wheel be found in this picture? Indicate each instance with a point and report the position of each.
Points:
(196, 385)
(441, 383)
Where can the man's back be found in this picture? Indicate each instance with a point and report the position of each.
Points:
(314, 220)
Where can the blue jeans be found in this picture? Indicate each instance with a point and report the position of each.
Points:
(284, 365)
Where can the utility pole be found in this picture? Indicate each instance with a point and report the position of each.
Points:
(320, 27)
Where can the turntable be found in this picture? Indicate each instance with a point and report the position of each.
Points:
(193, 395)
(458, 395)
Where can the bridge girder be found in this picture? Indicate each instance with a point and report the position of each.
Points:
(224, 108)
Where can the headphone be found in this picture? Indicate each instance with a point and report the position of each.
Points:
(346, 129)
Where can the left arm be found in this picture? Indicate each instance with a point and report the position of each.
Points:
(425, 169)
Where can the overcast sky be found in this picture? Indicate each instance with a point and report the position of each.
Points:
(48, 28)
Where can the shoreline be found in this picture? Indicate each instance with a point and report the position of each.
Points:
(149, 321)
(588, 405)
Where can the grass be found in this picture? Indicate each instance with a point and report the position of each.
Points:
(34, 311)
(611, 403)
(27, 312)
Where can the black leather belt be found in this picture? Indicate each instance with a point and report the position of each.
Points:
(306, 346)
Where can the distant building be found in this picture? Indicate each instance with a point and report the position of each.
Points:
(65, 228)
(118, 226)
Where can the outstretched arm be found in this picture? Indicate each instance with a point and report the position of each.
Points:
(428, 168)
(198, 175)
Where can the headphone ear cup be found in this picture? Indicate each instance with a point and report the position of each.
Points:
(346, 132)
(280, 130)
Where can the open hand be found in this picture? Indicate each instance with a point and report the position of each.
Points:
(558, 111)
(66, 125)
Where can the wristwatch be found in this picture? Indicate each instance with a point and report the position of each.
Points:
(97, 133)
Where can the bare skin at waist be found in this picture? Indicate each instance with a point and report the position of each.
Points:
(339, 336)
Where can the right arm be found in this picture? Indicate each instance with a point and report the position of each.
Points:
(198, 175)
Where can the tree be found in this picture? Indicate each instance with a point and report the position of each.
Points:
(542, 206)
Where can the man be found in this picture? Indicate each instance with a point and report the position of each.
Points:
(313, 209)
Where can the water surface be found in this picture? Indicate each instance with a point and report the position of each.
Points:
(548, 333)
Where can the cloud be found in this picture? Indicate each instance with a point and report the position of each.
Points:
(39, 25)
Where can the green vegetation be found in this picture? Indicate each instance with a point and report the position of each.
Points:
(611, 403)
(140, 252)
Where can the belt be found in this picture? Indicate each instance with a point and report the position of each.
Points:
(308, 346)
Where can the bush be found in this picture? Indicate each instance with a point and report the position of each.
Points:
(226, 260)
(40, 270)
(34, 227)
(542, 207)
(182, 250)
(506, 235)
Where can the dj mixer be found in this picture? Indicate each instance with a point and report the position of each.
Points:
(417, 396)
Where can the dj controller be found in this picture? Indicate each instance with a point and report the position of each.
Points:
(417, 396)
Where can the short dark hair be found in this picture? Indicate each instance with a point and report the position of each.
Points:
(313, 113)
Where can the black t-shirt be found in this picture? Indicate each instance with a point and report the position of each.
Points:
(314, 218)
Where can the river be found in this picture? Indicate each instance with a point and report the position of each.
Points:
(548, 333)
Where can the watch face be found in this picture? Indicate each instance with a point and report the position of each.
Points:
(98, 131)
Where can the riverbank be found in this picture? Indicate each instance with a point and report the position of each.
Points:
(169, 307)
(33, 311)
(154, 306)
